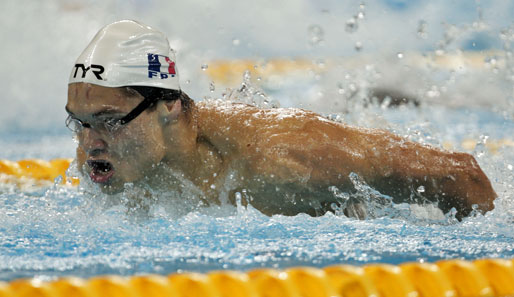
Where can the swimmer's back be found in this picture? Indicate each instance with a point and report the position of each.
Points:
(291, 144)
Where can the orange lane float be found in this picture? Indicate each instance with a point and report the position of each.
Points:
(35, 172)
(448, 278)
(230, 72)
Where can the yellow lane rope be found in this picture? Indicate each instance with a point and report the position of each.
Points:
(493, 145)
(230, 72)
(35, 172)
(448, 278)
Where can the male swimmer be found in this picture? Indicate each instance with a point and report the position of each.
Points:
(134, 124)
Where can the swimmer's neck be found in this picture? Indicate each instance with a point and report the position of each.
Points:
(190, 153)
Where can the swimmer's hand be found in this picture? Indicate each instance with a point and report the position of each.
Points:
(417, 173)
(464, 187)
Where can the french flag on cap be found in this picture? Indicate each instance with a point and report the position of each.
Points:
(160, 66)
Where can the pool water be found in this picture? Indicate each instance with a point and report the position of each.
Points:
(57, 230)
(60, 230)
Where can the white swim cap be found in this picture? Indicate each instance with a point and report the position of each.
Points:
(127, 53)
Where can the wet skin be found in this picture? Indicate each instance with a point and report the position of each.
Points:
(285, 159)
(120, 147)
(137, 150)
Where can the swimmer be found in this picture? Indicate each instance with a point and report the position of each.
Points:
(134, 124)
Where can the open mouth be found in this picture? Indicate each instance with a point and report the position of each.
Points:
(101, 170)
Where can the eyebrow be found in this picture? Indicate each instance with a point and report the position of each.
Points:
(106, 111)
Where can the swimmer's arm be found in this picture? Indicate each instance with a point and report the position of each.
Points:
(323, 154)
(315, 153)
(407, 169)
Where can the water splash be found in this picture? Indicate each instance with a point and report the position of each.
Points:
(250, 94)
(351, 25)
(481, 148)
(316, 35)
(422, 29)
(358, 46)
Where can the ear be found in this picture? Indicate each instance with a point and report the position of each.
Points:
(170, 111)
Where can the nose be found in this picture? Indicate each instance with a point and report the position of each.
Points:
(92, 142)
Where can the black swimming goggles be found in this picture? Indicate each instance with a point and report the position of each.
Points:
(112, 124)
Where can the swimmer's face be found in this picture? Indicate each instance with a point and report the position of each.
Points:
(112, 158)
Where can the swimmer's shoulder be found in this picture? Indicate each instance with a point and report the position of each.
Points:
(226, 110)
(223, 116)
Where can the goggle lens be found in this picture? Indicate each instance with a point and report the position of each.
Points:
(109, 125)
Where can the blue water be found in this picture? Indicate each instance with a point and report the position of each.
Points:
(55, 230)
(58, 231)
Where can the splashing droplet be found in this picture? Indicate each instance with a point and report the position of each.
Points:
(481, 148)
(351, 25)
(399, 55)
(212, 87)
(358, 46)
(247, 76)
(422, 29)
(320, 63)
(340, 89)
(316, 34)
(204, 67)
(236, 42)
(361, 14)
(421, 189)
(507, 34)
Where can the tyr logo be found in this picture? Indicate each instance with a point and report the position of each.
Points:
(96, 69)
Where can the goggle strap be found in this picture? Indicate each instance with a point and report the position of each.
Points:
(136, 111)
